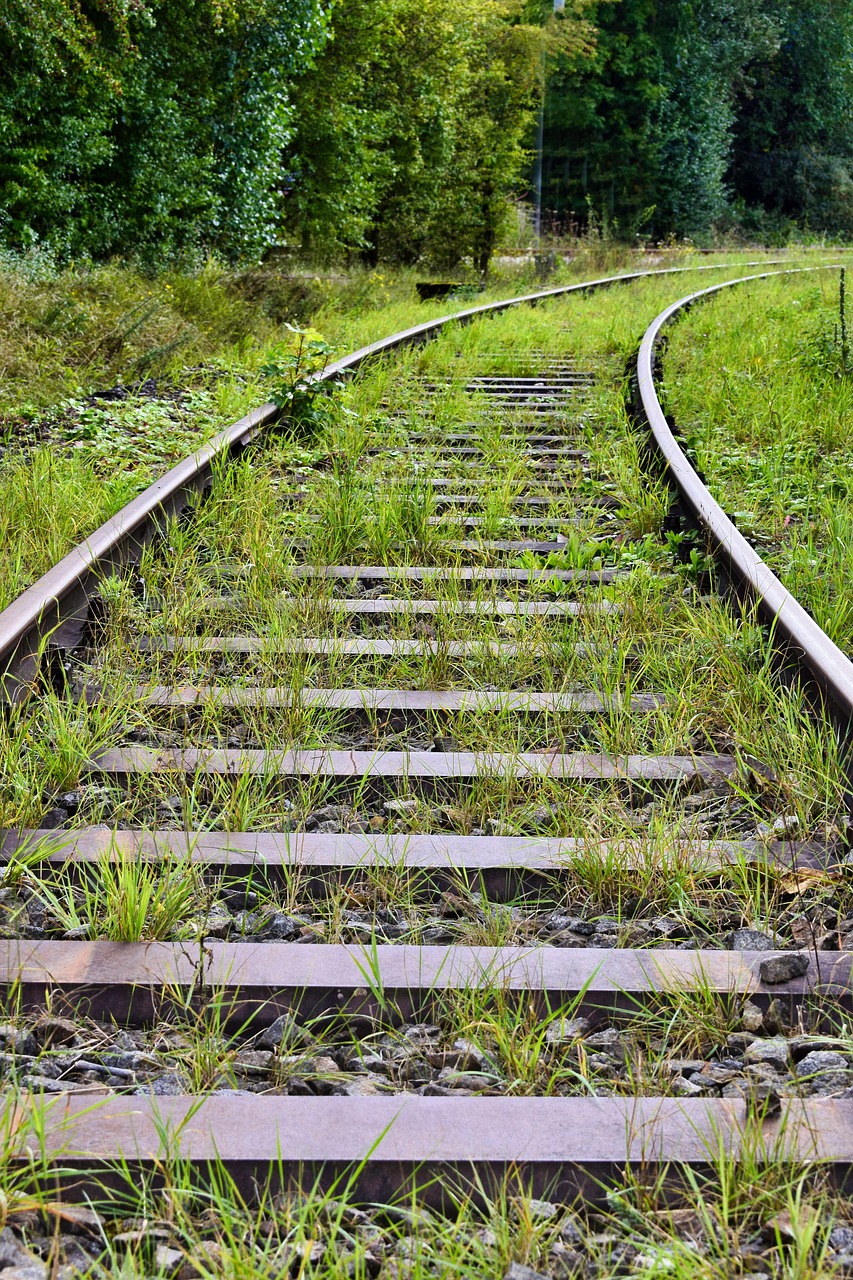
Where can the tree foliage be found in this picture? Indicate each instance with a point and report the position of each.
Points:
(415, 123)
(792, 156)
(397, 129)
(154, 125)
(697, 111)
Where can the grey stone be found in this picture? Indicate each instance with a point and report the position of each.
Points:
(801, 1045)
(14, 1040)
(541, 1210)
(570, 1232)
(401, 807)
(783, 968)
(53, 819)
(168, 1259)
(471, 1056)
(566, 1262)
(542, 816)
(133, 1060)
(786, 825)
(752, 1018)
(371, 1063)
(422, 1033)
(165, 1086)
(12, 1252)
(764, 1073)
(750, 940)
(218, 923)
(358, 1087)
(39, 1083)
(332, 814)
(452, 1079)
(517, 1271)
(684, 1088)
(437, 936)
(498, 827)
(714, 1076)
(560, 923)
(142, 1240)
(829, 1083)
(282, 927)
(738, 1040)
(253, 1061)
(566, 1030)
(821, 1060)
(841, 1239)
(773, 1053)
(684, 1066)
(665, 927)
(76, 1254)
(609, 1041)
(50, 1031)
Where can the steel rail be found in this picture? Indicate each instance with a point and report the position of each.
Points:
(829, 667)
(55, 607)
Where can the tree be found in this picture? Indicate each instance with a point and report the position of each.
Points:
(642, 137)
(792, 159)
(411, 128)
(600, 152)
(156, 125)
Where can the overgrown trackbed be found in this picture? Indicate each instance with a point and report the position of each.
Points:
(426, 784)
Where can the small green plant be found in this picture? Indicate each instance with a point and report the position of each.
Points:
(293, 372)
(123, 898)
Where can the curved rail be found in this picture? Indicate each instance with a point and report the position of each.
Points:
(55, 607)
(830, 668)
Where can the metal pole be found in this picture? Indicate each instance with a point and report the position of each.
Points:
(559, 6)
(537, 171)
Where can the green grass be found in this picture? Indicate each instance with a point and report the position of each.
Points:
(755, 382)
(229, 571)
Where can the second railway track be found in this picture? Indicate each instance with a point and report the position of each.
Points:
(422, 774)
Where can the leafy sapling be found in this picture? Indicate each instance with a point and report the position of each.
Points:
(295, 373)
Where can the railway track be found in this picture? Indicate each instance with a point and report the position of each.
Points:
(377, 750)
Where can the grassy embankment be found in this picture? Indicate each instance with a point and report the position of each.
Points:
(757, 383)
